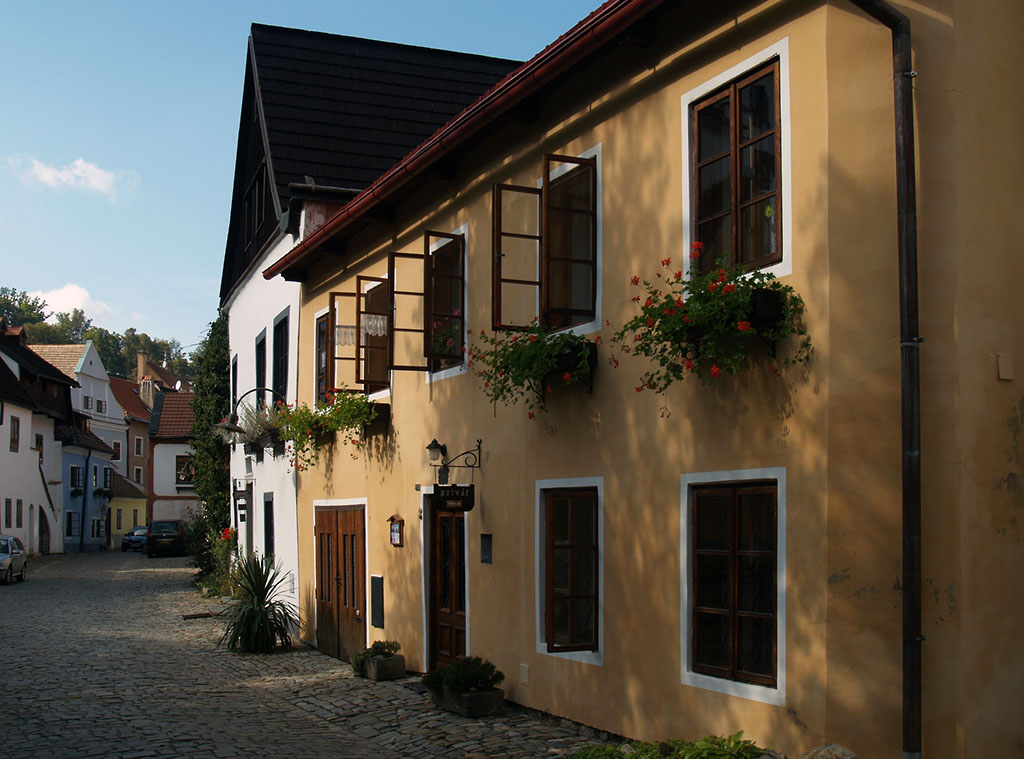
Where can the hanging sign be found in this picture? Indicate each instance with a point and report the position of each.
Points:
(453, 497)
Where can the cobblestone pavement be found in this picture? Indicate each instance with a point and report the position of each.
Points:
(98, 662)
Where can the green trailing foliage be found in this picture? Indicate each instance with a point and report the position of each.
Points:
(210, 454)
(711, 747)
(465, 676)
(377, 648)
(310, 429)
(258, 621)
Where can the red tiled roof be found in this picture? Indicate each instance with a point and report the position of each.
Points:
(127, 394)
(173, 415)
(64, 357)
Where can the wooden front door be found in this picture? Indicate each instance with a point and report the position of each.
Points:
(448, 585)
(340, 582)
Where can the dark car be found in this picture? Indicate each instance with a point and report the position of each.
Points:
(166, 536)
(13, 559)
(135, 539)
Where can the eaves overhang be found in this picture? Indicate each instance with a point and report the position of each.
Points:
(598, 29)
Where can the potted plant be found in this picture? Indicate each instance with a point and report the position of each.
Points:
(711, 323)
(381, 661)
(531, 363)
(467, 687)
(257, 620)
(262, 427)
(311, 429)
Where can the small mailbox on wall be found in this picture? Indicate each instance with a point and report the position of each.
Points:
(397, 527)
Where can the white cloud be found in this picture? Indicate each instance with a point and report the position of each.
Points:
(71, 296)
(78, 175)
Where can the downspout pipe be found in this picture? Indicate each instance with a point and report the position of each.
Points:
(85, 501)
(910, 364)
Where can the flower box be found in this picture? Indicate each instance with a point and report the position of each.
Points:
(384, 667)
(381, 419)
(481, 703)
(568, 363)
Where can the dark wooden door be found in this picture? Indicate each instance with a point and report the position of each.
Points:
(448, 583)
(341, 582)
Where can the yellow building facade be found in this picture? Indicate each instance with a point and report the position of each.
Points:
(809, 463)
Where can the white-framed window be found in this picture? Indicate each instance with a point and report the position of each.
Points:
(732, 525)
(742, 214)
(137, 475)
(101, 406)
(138, 446)
(87, 402)
(569, 601)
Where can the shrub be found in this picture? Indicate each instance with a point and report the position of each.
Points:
(711, 747)
(377, 648)
(465, 676)
(258, 620)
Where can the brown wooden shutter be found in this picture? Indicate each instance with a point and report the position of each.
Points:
(516, 283)
(372, 348)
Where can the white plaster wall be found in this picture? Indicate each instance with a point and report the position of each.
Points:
(20, 478)
(164, 461)
(110, 425)
(254, 306)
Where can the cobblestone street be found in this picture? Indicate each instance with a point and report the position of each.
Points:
(99, 663)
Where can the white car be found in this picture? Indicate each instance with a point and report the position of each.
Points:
(13, 559)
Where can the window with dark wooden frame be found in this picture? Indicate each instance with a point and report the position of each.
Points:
(571, 569)
(444, 293)
(737, 171)
(184, 471)
(234, 381)
(545, 247)
(15, 433)
(322, 369)
(261, 368)
(280, 360)
(77, 477)
(108, 477)
(733, 581)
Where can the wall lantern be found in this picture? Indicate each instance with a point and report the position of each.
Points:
(438, 458)
(229, 429)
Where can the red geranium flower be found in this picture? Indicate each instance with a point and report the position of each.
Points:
(743, 326)
(567, 377)
(635, 280)
(666, 262)
(728, 288)
(715, 371)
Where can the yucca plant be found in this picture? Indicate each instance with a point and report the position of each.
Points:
(258, 620)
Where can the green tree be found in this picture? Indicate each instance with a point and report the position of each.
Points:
(44, 333)
(210, 453)
(17, 308)
(74, 325)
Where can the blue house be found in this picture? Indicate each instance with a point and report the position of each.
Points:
(87, 482)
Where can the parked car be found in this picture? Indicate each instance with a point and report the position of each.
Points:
(166, 536)
(135, 538)
(13, 559)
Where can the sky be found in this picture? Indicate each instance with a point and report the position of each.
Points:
(118, 126)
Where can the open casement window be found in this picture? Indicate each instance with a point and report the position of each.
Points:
(357, 337)
(734, 582)
(545, 247)
(737, 160)
(571, 569)
(444, 322)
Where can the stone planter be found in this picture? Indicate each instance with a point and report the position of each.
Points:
(483, 703)
(384, 667)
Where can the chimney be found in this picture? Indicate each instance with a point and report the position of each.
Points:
(141, 359)
(146, 391)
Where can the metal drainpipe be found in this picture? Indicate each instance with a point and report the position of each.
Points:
(85, 498)
(910, 364)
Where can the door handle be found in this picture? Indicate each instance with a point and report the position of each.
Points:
(358, 614)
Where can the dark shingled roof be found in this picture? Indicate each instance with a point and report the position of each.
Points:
(11, 389)
(172, 415)
(343, 110)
